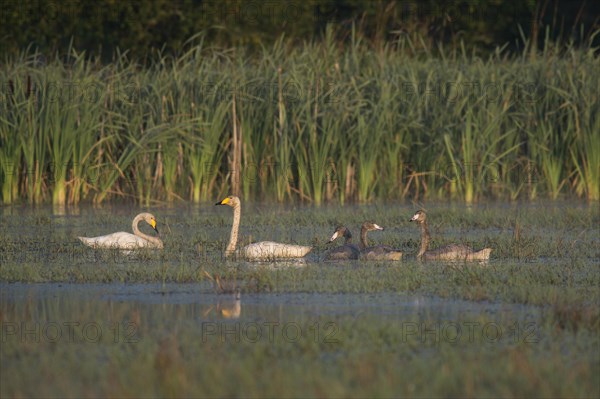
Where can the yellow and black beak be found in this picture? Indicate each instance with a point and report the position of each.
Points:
(153, 224)
(224, 202)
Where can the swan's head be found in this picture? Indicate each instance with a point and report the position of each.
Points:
(151, 220)
(232, 201)
(370, 226)
(340, 231)
(419, 217)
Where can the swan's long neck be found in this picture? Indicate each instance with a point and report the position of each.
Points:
(363, 238)
(348, 238)
(424, 239)
(156, 241)
(237, 210)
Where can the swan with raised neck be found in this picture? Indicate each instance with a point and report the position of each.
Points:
(347, 251)
(377, 252)
(448, 252)
(264, 250)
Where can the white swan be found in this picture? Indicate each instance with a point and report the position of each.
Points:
(263, 250)
(122, 240)
(448, 252)
(377, 252)
(343, 252)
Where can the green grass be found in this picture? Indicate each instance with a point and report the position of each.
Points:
(315, 123)
(531, 244)
(368, 357)
(357, 319)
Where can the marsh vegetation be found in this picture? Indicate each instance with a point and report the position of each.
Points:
(313, 123)
(525, 324)
(311, 135)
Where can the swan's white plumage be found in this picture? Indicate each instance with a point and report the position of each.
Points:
(123, 240)
(273, 250)
(264, 250)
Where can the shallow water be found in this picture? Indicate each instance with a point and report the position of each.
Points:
(70, 313)
(395, 305)
(538, 295)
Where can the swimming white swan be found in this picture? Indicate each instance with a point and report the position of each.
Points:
(346, 251)
(263, 250)
(448, 252)
(377, 252)
(122, 240)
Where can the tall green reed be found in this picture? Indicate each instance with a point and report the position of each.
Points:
(315, 122)
(11, 131)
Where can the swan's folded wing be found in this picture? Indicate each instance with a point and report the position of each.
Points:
(343, 252)
(273, 250)
(381, 252)
(457, 252)
(120, 240)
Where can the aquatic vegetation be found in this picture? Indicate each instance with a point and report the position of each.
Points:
(529, 241)
(315, 123)
(319, 345)
(162, 322)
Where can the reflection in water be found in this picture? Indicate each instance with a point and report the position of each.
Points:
(63, 210)
(231, 308)
(59, 210)
(281, 263)
(137, 309)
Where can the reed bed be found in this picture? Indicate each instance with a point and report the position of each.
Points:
(315, 123)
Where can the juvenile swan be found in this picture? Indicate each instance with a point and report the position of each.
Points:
(449, 252)
(346, 251)
(378, 252)
(122, 240)
(261, 250)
